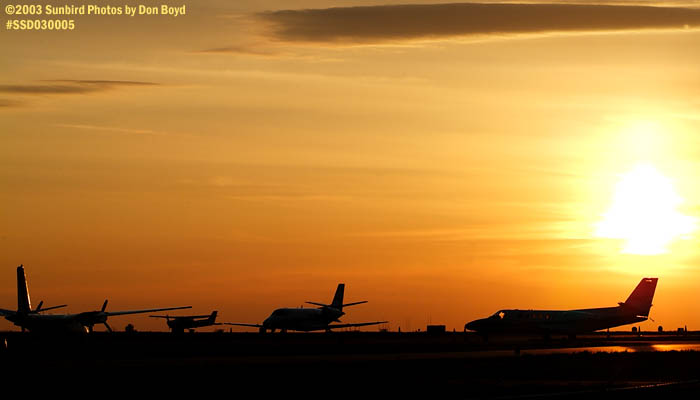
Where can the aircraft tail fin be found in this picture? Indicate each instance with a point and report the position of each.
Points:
(24, 304)
(212, 317)
(640, 299)
(338, 298)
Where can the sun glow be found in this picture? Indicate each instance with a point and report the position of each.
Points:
(644, 213)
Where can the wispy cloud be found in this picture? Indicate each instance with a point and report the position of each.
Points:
(392, 23)
(244, 190)
(69, 86)
(9, 103)
(61, 87)
(268, 50)
(109, 129)
(251, 50)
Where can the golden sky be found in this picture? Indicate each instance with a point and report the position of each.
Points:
(444, 161)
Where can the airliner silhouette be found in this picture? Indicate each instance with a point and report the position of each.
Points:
(634, 309)
(310, 319)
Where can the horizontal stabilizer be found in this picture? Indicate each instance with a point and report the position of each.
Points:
(318, 304)
(355, 303)
(4, 312)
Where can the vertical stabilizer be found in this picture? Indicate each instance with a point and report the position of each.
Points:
(338, 298)
(24, 304)
(212, 317)
(640, 299)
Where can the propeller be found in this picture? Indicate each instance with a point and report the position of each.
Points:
(104, 306)
(96, 314)
(39, 308)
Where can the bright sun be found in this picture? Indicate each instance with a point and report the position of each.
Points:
(644, 213)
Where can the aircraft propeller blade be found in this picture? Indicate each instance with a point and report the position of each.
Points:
(104, 305)
(107, 326)
(48, 308)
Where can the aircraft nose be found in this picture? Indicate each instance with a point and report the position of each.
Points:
(473, 325)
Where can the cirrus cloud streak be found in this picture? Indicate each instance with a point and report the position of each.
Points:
(391, 23)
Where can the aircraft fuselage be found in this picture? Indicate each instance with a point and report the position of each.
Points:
(555, 321)
(301, 319)
(64, 323)
(182, 324)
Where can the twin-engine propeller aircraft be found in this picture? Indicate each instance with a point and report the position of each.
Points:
(91, 318)
(32, 320)
(178, 324)
(310, 319)
(571, 322)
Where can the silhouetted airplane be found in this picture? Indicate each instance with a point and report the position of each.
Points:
(26, 318)
(178, 324)
(571, 322)
(310, 319)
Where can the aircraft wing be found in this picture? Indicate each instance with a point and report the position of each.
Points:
(4, 313)
(144, 311)
(337, 326)
(231, 323)
(180, 316)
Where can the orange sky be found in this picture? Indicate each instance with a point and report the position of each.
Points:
(241, 161)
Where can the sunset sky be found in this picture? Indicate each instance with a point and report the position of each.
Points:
(444, 161)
